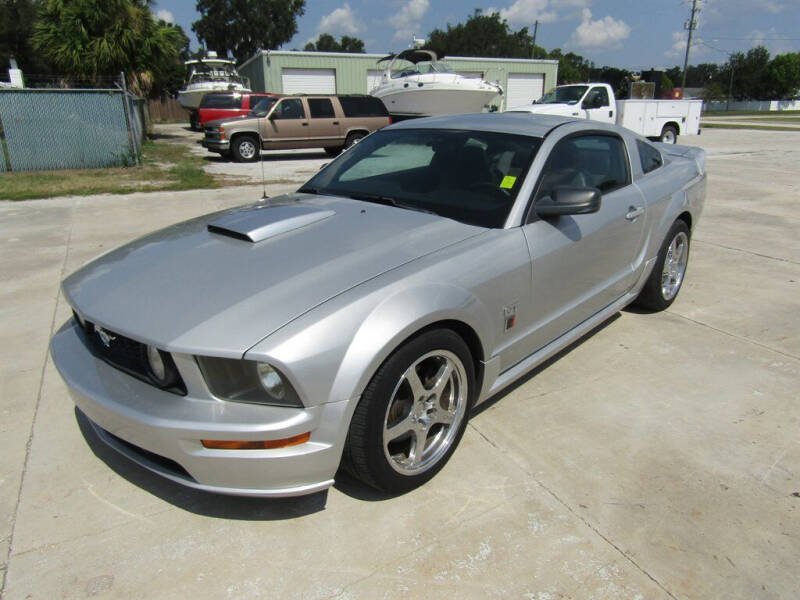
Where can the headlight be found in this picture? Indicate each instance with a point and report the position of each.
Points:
(247, 381)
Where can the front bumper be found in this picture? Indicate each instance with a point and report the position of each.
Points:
(217, 145)
(162, 431)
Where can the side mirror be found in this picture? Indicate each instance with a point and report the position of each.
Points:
(568, 200)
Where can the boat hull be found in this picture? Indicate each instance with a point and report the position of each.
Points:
(431, 100)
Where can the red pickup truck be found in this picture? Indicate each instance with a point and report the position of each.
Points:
(224, 105)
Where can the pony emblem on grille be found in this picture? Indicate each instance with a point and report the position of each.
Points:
(104, 336)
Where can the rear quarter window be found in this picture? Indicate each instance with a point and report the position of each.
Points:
(362, 106)
(649, 157)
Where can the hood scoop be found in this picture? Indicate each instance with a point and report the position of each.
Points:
(263, 222)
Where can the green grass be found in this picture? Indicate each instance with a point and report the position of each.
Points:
(165, 167)
(743, 126)
(749, 113)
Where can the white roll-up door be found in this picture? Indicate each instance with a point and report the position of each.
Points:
(524, 88)
(374, 77)
(309, 81)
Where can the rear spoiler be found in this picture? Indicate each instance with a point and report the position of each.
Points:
(698, 155)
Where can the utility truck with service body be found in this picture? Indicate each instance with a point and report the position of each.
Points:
(663, 120)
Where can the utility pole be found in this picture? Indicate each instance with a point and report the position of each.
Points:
(691, 25)
(535, 31)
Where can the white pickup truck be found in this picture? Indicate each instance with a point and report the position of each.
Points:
(664, 120)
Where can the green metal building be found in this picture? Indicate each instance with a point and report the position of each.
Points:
(291, 72)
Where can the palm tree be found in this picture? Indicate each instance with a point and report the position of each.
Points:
(94, 40)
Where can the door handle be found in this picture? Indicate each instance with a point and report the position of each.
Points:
(305, 124)
(336, 122)
(634, 212)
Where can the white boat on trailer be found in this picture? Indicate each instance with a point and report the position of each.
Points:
(416, 84)
(209, 74)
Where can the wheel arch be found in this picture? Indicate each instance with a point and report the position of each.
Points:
(686, 217)
(674, 124)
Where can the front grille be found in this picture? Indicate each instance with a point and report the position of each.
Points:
(128, 355)
(212, 135)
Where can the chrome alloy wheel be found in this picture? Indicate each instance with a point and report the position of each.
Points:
(247, 149)
(674, 266)
(425, 412)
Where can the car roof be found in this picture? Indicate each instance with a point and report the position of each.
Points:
(514, 123)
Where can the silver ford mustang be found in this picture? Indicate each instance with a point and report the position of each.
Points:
(357, 322)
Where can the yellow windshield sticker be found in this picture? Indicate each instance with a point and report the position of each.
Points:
(508, 182)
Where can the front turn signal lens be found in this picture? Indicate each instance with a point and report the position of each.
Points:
(256, 445)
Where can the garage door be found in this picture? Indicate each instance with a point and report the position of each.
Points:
(524, 88)
(309, 81)
(373, 79)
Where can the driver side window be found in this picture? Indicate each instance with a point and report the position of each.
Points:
(289, 108)
(596, 98)
(586, 161)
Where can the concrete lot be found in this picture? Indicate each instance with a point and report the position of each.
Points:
(660, 458)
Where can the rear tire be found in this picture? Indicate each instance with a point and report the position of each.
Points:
(245, 148)
(665, 280)
(669, 135)
(412, 413)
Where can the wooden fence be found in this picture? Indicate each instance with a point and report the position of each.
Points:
(167, 110)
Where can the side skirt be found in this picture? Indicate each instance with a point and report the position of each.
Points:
(509, 376)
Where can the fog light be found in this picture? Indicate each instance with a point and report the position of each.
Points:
(256, 445)
(155, 363)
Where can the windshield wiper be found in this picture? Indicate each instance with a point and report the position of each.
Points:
(387, 200)
(311, 190)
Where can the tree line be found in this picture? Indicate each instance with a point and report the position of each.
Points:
(92, 40)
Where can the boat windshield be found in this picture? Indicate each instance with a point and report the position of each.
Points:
(214, 72)
(569, 94)
(405, 68)
(468, 176)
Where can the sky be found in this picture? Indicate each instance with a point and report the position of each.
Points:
(632, 34)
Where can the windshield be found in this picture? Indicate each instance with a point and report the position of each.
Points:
(405, 68)
(564, 95)
(468, 176)
(262, 107)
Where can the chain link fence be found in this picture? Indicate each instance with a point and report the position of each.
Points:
(45, 129)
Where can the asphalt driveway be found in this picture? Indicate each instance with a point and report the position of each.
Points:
(658, 458)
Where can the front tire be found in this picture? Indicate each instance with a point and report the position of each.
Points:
(412, 413)
(245, 148)
(665, 280)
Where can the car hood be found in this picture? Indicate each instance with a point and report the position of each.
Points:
(220, 283)
(553, 109)
(226, 120)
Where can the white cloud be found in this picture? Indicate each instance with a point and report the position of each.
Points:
(601, 32)
(341, 21)
(527, 12)
(165, 15)
(407, 20)
(521, 13)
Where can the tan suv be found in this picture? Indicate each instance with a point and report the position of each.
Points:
(330, 122)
